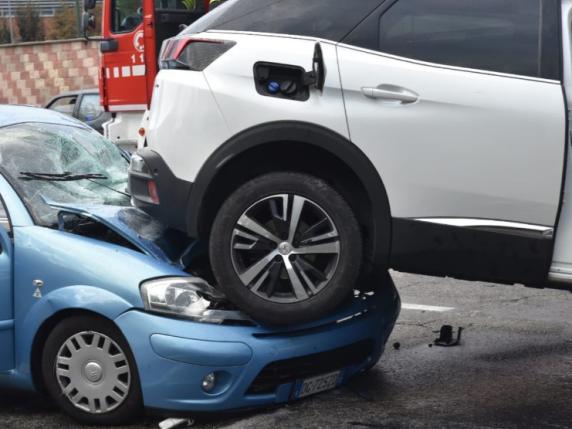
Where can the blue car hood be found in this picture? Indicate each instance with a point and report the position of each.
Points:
(138, 228)
(156, 240)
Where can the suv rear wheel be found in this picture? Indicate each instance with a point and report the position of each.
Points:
(286, 248)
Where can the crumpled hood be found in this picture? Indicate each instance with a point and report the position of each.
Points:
(135, 226)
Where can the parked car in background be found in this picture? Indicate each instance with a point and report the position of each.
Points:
(83, 105)
(100, 307)
(309, 141)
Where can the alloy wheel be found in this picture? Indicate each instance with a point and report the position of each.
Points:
(285, 248)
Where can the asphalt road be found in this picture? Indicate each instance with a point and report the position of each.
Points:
(512, 370)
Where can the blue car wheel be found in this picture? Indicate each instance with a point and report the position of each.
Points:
(89, 370)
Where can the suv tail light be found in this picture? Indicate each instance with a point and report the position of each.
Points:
(192, 54)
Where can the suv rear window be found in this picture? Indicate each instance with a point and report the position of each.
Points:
(509, 36)
(325, 19)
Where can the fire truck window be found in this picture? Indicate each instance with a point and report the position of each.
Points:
(126, 15)
(185, 5)
(64, 105)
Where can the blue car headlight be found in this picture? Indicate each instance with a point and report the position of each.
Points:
(188, 297)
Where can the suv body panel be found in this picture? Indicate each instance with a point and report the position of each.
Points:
(473, 165)
(471, 152)
(227, 102)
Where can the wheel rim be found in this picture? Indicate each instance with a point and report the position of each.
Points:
(285, 248)
(93, 372)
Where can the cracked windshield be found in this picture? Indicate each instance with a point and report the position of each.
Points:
(71, 165)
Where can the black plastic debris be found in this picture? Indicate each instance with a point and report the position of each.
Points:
(396, 346)
(446, 337)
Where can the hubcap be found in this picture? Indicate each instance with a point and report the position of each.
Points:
(93, 372)
(285, 248)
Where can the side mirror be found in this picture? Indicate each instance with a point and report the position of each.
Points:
(88, 5)
(87, 23)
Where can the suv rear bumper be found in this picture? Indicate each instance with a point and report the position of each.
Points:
(169, 204)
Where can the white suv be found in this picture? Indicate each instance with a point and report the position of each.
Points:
(311, 142)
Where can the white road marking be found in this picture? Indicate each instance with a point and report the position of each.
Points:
(418, 307)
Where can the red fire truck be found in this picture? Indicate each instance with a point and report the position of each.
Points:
(132, 34)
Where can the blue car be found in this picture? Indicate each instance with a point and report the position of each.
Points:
(102, 309)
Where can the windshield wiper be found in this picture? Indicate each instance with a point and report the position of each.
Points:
(69, 177)
(60, 177)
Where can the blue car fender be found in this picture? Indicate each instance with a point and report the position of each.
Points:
(70, 298)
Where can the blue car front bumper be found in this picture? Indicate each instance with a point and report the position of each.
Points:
(254, 366)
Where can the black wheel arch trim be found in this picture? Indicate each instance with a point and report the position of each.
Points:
(305, 133)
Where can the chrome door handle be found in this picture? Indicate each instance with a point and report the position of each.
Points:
(391, 93)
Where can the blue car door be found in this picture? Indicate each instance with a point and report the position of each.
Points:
(6, 300)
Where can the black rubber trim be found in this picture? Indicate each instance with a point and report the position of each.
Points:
(173, 192)
(300, 132)
(501, 256)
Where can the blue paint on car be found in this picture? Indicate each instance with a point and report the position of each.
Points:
(103, 274)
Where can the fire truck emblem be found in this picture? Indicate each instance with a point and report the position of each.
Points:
(138, 41)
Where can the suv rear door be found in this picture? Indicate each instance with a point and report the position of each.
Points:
(460, 107)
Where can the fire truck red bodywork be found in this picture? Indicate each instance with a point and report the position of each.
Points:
(127, 74)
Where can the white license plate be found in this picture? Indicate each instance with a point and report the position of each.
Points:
(320, 383)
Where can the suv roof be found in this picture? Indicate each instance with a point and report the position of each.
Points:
(324, 19)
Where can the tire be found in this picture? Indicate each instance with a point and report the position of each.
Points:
(85, 364)
(272, 200)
